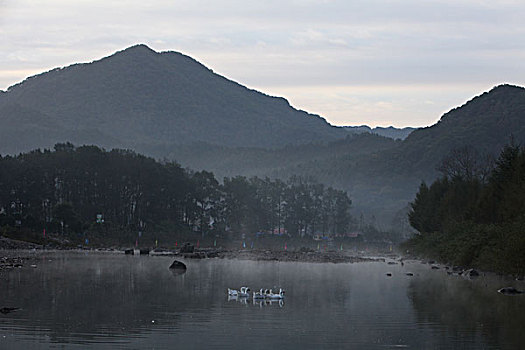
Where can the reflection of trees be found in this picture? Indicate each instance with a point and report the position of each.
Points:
(76, 298)
(468, 308)
(79, 300)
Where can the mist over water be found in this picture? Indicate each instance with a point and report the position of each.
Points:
(112, 300)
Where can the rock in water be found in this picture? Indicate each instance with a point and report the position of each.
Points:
(178, 265)
(6, 310)
(510, 291)
(471, 273)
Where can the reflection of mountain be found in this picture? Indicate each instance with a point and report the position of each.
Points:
(470, 307)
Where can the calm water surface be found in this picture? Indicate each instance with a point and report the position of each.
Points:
(107, 301)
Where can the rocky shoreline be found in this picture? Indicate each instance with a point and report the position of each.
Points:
(301, 255)
(189, 252)
(13, 244)
(295, 256)
(18, 260)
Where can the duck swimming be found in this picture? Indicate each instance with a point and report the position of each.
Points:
(279, 295)
(259, 295)
(244, 292)
(233, 292)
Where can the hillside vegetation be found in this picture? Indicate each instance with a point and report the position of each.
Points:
(122, 197)
(472, 217)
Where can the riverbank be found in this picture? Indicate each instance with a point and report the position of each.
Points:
(16, 254)
(471, 248)
(12, 244)
(302, 255)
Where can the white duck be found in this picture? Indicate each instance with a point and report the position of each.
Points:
(233, 292)
(259, 295)
(245, 292)
(279, 295)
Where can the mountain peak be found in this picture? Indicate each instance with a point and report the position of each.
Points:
(139, 97)
(137, 50)
(507, 87)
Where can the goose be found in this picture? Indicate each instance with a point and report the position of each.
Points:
(279, 295)
(233, 292)
(245, 292)
(259, 295)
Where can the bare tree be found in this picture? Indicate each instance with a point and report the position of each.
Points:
(466, 163)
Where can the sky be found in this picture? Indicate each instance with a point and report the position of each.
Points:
(373, 62)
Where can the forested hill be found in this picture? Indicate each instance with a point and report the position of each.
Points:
(250, 161)
(381, 175)
(486, 123)
(391, 132)
(168, 105)
(140, 97)
(470, 217)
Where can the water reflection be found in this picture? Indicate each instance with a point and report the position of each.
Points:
(78, 298)
(471, 308)
(138, 302)
(256, 302)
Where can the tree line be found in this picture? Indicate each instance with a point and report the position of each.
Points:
(72, 190)
(474, 213)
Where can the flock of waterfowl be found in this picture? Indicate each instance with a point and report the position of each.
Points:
(262, 294)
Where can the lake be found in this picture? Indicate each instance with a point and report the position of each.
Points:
(109, 300)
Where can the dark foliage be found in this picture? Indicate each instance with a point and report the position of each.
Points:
(465, 220)
(117, 194)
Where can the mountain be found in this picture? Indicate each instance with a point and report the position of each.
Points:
(486, 123)
(380, 174)
(168, 105)
(249, 161)
(391, 132)
(384, 182)
(140, 98)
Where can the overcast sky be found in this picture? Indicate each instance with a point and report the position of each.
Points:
(375, 62)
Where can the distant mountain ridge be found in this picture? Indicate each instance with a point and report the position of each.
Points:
(390, 131)
(381, 175)
(138, 96)
(386, 181)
